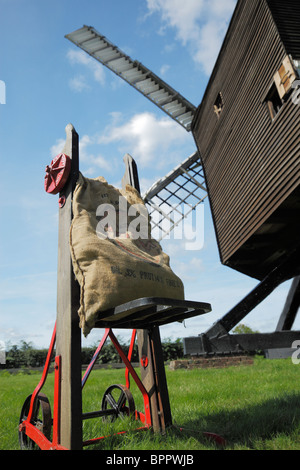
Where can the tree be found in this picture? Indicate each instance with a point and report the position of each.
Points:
(242, 329)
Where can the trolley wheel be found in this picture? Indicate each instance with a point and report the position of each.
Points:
(57, 174)
(119, 399)
(41, 418)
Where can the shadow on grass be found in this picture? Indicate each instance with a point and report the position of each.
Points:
(248, 425)
(245, 427)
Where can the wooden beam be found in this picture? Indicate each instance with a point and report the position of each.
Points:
(68, 337)
(291, 307)
(289, 267)
(149, 345)
(131, 173)
(147, 375)
(160, 379)
(228, 344)
(154, 378)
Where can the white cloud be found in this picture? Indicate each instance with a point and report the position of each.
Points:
(146, 183)
(152, 141)
(89, 154)
(164, 69)
(147, 138)
(87, 157)
(80, 57)
(200, 24)
(78, 83)
(57, 147)
(180, 15)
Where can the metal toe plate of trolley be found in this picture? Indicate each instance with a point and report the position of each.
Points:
(149, 312)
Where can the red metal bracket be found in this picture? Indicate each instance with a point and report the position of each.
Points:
(94, 359)
(130, 352)
(148, 419)
(37, 435)
(144, 361)
(26, 426)
(57, 402)
(44, 375)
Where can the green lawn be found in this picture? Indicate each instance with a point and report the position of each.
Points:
(252, 407)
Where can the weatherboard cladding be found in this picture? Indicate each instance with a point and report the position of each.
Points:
(251, 162)
(286, 14)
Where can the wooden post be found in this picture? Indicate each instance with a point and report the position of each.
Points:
(149, 345)
(153, 377)
(68, 336)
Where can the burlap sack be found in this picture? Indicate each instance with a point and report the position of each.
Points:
(113, 261)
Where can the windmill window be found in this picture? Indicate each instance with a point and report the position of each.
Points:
(219, 105)
(274, 101)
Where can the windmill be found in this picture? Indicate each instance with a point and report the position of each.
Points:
(263, 244)
(176, 195)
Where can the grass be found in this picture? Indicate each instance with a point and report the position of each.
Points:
(252, 407)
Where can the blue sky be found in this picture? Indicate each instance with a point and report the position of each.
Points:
(49, 83)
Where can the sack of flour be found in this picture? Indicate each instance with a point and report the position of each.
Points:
(114, 258)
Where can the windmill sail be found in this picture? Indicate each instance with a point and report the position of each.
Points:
(136, 74)
(172, 198)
